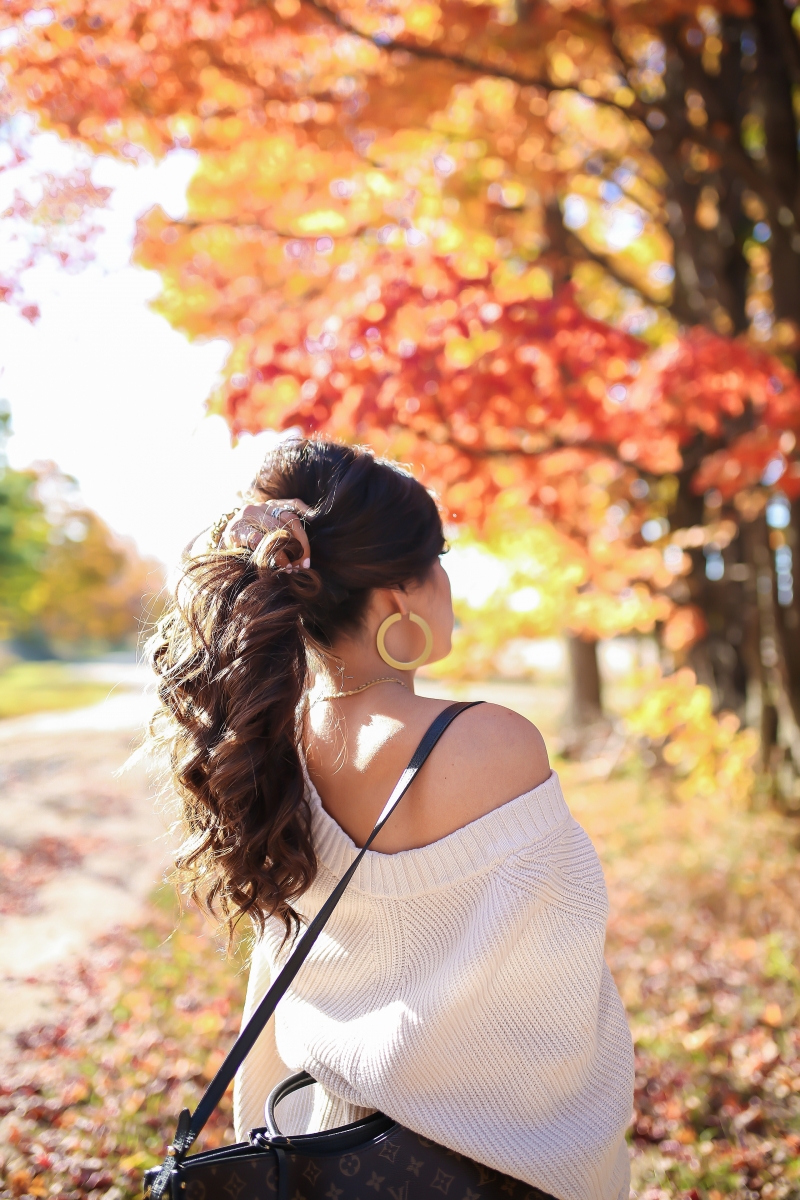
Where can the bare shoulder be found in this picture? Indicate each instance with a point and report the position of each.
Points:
(488, 756)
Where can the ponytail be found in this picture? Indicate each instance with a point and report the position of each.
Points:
(230, 655)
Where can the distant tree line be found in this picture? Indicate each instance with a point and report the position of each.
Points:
(68, 585)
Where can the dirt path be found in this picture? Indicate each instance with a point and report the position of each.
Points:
(81, 845)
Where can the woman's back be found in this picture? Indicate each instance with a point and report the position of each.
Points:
(460, 987)
(357, 748)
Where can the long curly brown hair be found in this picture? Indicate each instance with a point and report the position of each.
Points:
(231, 654)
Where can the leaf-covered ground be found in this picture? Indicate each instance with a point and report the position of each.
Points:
(703, 941)
(703, 938)
(137, 1032)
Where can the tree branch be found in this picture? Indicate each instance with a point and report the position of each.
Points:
(233, 223)
(556, 443)
(692, 453)
(461, 62)
(357, 233)
(555, 226)
(628, 284)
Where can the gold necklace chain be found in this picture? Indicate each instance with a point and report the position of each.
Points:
(363, 688)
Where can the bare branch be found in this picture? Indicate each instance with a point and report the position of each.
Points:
(461, 62)
(609, 270)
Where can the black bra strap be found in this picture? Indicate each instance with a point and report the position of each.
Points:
(188, 1130)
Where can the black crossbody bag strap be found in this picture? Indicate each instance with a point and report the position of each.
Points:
(190, 1126)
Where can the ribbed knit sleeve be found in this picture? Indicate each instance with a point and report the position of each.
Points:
(264, 1067)
(461, 989)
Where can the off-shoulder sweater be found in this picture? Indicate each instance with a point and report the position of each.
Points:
(461, 989)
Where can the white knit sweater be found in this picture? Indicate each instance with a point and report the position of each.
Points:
(461, 989)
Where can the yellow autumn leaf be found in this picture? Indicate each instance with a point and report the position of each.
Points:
(461, 352)
(378, 183)
(423, 19)
(324, 220)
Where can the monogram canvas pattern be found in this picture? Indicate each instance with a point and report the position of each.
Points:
(400, 1165)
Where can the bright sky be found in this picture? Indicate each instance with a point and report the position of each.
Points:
(107, 389)
(110, 391)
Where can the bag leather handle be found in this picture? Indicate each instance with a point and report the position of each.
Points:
(285, 1088)
(190, 1126)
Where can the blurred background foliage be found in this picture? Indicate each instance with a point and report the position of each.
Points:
(548, 253)
(69, 587)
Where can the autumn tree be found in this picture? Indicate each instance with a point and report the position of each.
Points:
(92, 590)
(23, 535)
(547, 252)
(68, 584)
(49, 216)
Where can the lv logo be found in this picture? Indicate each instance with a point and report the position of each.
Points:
(234, 1186)
(442, 1181)
(400, 1193)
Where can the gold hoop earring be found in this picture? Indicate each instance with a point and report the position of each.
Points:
(415, 662)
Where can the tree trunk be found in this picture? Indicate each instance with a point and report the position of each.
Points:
(769, 734)
(774, 86)
(587, 728)
(788, 615)
(718, 659)
(586, 695)
(780, 733)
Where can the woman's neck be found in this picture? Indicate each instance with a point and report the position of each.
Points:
(344, 683)
(350, 665)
